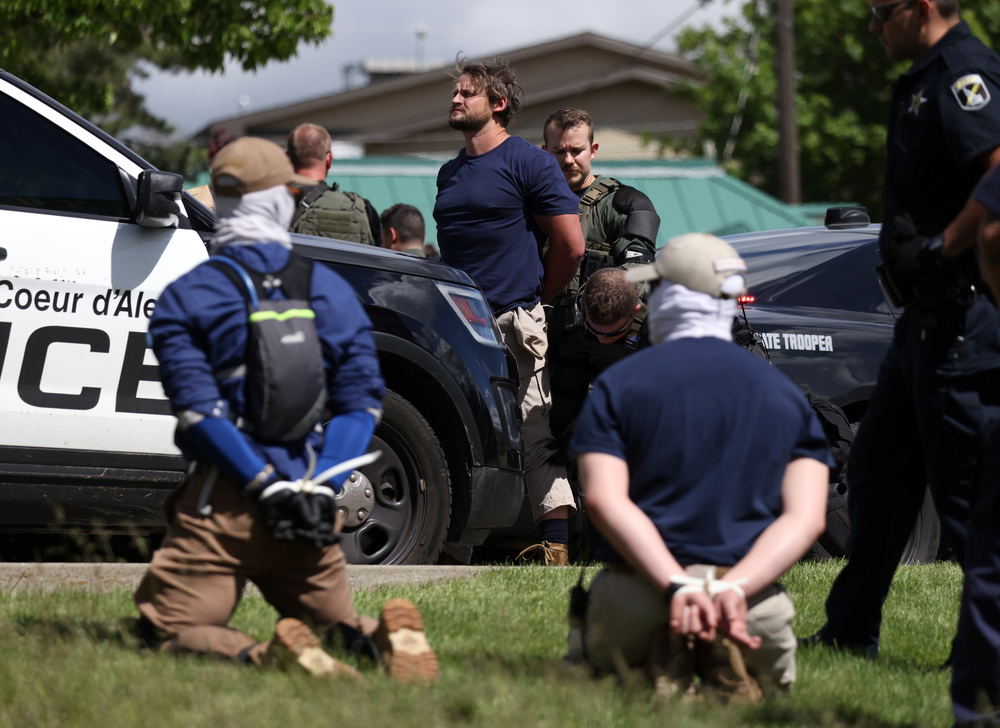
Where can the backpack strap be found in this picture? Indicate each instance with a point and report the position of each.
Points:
(307, 200)
(295, 279)
(240, 278)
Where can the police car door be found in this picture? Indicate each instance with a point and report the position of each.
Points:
(78, 283)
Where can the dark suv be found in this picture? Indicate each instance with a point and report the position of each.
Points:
(818, 305)
(88, 239)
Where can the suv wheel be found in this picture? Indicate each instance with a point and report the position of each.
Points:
(922, 548)
(397, 510)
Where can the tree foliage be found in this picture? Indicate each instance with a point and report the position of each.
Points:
(85, 53)
(842, 98)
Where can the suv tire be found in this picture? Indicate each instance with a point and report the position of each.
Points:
(406, 493)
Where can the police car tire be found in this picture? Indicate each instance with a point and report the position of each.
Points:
(412, 489)
(923, 546)
(925, 541)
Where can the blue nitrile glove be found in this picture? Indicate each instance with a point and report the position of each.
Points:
(347, 436)
(219, 442)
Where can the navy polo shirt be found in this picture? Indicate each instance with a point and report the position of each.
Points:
(707, 430)
(945, 113)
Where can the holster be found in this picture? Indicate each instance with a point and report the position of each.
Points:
(933, 286)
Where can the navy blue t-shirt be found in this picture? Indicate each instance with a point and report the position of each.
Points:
(485, 225)
(707, 430)
(945, 114)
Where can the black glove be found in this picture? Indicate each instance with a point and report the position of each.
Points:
(298, 512)
(912, 258)
(914, 253)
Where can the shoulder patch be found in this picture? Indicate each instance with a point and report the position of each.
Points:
(971, 92)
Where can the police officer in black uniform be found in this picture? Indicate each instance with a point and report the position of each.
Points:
(935, 398)
(976, 673)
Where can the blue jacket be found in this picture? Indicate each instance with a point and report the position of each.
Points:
(200, 327)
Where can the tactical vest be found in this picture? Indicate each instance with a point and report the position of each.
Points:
(330, 213)
(597, 252)
(588, 205)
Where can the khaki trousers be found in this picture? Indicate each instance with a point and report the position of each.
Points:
(197, 576)
(626, 615)
(523, 331)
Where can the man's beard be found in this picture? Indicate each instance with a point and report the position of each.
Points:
(466, 123)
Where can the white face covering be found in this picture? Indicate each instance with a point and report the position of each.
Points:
(676, 312)
(256, 217)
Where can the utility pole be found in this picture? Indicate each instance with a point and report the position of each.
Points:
(789, 183)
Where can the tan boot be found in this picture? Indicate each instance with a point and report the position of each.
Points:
(400, 635)
(553, 554)
(294, 643)
(671, 665)
(721, 666)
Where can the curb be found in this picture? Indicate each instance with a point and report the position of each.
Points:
(100, 578)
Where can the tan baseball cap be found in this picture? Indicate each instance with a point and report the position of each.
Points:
(697, 261)
(251, 164)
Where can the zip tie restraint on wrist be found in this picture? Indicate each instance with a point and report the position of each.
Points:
(710, 585)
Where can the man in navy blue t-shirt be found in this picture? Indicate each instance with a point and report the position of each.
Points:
(497, 202)
(705, 471)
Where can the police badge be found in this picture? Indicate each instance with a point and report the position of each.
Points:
(971, 92)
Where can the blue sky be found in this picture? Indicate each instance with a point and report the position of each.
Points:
(365, 29)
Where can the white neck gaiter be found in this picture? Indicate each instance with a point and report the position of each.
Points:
(677, 312)
(256, 217)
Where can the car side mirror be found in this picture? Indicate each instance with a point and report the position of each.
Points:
(158, 199)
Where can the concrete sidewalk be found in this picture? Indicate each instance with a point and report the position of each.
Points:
(109, 577)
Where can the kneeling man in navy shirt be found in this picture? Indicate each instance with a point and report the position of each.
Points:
(706, 473)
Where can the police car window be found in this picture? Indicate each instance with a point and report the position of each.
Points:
(42, 167)
(846, 282)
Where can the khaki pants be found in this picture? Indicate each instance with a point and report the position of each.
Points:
(626, 615)
(197, 576)
(523, 332)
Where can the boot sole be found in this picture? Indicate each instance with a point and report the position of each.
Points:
(408, 655)
(295, 643)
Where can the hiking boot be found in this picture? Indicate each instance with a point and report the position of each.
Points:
(294, 643)
(553, 554)
(671, 664)
(406, 652)
(721, 666)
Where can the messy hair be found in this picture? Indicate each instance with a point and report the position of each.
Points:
(498, 80)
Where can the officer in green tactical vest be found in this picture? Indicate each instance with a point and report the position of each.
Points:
(323, 210)
(619, 226)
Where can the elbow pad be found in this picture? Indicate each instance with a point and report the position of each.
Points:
(641, 220)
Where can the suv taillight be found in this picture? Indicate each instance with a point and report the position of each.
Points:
(472, 308)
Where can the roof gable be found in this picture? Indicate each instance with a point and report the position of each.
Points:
(408, 114)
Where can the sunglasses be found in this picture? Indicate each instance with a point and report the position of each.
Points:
(609, 334)
(882, 13)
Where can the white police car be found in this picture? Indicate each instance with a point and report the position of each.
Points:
(90, 235)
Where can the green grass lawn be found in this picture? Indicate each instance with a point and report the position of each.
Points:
(68, 659)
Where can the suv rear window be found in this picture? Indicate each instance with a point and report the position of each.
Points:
(44, 168)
